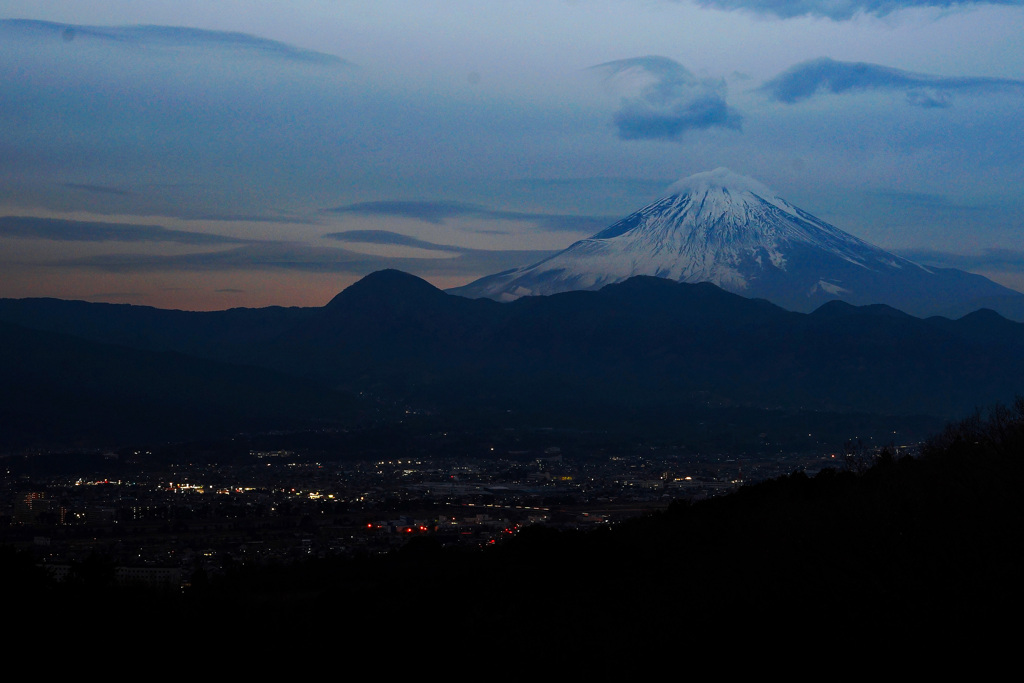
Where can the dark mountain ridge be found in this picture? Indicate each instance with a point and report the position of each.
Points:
(646, 344)
(205, 334)
(61, 390)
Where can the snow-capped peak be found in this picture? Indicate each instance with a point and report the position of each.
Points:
(728, 229)
(720, 179)
(731, 186)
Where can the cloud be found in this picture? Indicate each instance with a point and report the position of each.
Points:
(429, 212)
(720, 178)
(929, 100)
(173, 37)
(999, 260)
(99, 189)
(439, 212)
(61, 230)
(661, 99)
(468, 260)
(816, 76)
(306, 258)
(268, 255)
(921, 200)
(387, 237)
(839, 9)
(115, 295)
(116, 120)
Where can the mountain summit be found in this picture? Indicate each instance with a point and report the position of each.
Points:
(733, 231)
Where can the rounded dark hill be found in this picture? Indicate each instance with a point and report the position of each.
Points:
(840, 309)
(883, 311)
(987, 327)
(833, 309)
(988, 321)
(388, 286)
(629, 327)
(390, 302)
(700, 301)
(387, 325)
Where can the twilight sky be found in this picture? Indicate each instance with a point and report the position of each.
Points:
(242, 153)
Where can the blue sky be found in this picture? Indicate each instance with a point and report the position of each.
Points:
(206, 155)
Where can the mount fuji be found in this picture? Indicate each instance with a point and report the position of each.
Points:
(733, 231)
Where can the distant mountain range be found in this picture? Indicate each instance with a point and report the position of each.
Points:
(734, 232)
(652, 341)
(646, 346)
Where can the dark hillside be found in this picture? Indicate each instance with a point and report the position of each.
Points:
(913, 548)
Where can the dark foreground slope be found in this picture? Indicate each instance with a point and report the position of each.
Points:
(909, 547)
(912, 540)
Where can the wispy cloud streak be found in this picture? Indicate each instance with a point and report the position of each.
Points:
(99, 189)
(440, 212)
(61, 230)
(170, 37)
(387, 237)
(823, 75)
(839, 10)
(1000, 260)
(313, 259)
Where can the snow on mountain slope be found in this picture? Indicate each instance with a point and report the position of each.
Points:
(733, 231)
